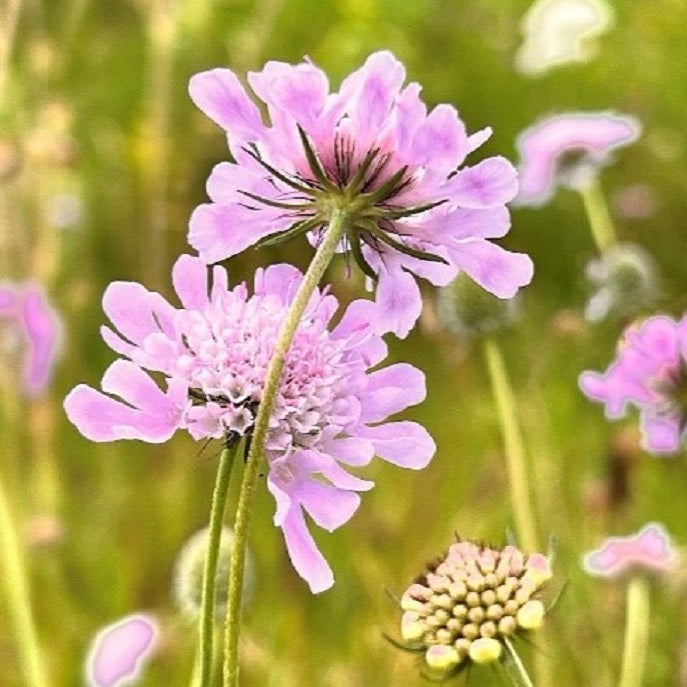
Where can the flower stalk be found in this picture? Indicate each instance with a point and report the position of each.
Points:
(600, 222)
(207, 613)
(513, 445)
(16, 590)
(515, 668)
(325, 252)
(636, 632)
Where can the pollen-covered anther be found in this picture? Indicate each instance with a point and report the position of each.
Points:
(470, 602)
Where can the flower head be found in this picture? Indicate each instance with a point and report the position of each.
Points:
(568, 149)
(213, 353)
(372, 151)
(649, 550)
(119, 650)
(463, 607)
(28, 322)
(557, 32)
(650, 372)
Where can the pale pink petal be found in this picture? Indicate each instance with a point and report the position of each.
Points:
(220, 95)
(498, 271)
(440, 141)
(190, 278)
(350, 450)
(399, 301)
(660, 433)
(305, 557)
(118, 653)
(405, 444)
(491, 182)
(391, 390)
(328, 506)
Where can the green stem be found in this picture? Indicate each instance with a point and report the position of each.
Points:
(326, 250)
(600, 221)
(636, 632)
(16, 589)
(514, 666)
(207, 612)
(513, 446)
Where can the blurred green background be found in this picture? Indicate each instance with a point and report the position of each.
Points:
(102, 159)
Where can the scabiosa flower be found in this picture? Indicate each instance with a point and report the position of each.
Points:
(650, 372)
(29, 322)
(214, 351)
(371, 150)
(648, 550)
(119, 651)
(568, 150)
(471, 600)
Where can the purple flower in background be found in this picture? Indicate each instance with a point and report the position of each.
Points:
(372, 150)
(214, 351)
(650, 549)
(651, 373)
(567, 150)
(119, 650)
(30, 322)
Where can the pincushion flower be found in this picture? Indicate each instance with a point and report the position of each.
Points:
(32, 325)
(568, 150)
(372, 151)
(650, 372)
(213, 352)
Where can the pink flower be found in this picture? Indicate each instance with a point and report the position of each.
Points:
(213, 353)
(372, 149)
(650, 373)
(650, 549)
(119, 650)
(568, 149)
(31, 322)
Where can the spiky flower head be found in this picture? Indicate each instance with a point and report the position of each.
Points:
(213, 352)
(371, 150)
(469, 602)
(625, 280)
(466, 309)
(189, 569)
(649, 372)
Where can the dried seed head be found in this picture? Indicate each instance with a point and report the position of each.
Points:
(463, 607)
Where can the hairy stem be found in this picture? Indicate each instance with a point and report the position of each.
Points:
(207, 613)
(600, 222)
(636, 632)
(513, 445)
(325, 252)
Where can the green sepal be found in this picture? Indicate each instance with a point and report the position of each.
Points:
(313, 161)
(294, 231)
(384, 237)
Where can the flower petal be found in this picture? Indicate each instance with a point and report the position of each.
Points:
(497, 270)
(660, 433)
(391, 390)
(441, 141)
(328, 506)
(399, 301)
(190, 278)
(42, 332)
(405, 444)
(491, 182)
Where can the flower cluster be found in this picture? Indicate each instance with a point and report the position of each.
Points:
(214, 351)
(650, 372)
(463, 607)
(372, 151)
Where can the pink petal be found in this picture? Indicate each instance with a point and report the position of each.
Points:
(660, 434)
(119, 651)
(280, 280)
(305, 557)
(483, 223)
(220, 231)
(490, 182)
(350, 450)
(220, 95)
(498, 271)
(405, 444)
(399, 301)
(391, 390)
(328, 506)
(441, 141)
(190, 278)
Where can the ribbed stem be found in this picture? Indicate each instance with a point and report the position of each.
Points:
(513, 446)
(636, 632)
(207, 613)
(325, 252)
(14, 580)
(515, 667)
(600, 221)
